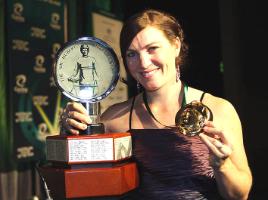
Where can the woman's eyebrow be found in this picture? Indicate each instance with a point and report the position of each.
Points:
(146, 46)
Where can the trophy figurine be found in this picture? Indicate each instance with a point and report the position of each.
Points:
(92, 164)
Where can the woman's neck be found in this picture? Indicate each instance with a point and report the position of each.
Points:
(168, 95)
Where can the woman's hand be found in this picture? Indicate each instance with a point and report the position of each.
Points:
(218, 144)
(74, 118)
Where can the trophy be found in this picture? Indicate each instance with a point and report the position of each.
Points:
(190, 118)
(92, 164)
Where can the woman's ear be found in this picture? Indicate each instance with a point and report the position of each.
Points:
(177, 43)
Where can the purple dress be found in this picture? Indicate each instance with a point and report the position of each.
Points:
(172, 166)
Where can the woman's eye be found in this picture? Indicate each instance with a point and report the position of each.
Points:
(152, 49)
(131, 54)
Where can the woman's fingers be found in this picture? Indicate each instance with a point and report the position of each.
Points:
(78, 107)
(217, 147)
(212, 147)
(210, 130)
(219, 151)
(74, 124)
(84, 118)
(70, 129)
(65, 128)
(74, 118)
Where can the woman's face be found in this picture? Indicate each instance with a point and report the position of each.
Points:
(151, 58)
(84, 51)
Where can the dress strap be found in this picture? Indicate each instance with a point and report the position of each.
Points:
(202, 96)
(185, 90)
(130, 112)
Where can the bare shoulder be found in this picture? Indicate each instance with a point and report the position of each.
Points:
(209, 99)
(222, 109)
(116, 116)
(117, 110)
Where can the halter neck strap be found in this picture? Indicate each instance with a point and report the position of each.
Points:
(185, 89)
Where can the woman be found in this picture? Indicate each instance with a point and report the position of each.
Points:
(212, 165)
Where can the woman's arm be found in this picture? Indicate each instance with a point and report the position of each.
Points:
(227, 154)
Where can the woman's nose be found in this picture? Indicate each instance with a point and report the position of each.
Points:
(145, 60)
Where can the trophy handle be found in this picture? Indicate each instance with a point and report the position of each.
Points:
(96, 127)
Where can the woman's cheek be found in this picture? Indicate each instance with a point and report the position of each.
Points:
(132, 72)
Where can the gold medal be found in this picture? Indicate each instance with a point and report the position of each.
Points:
(190, 118)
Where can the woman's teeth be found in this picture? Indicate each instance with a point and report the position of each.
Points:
(147, 74)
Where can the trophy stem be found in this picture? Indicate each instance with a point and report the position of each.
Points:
(93, 110)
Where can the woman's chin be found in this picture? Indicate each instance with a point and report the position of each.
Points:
(151, 88)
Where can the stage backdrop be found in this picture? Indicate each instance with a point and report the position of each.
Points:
(35, 31)
(30, 103)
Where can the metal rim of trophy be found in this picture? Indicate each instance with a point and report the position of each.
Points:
(88, 40)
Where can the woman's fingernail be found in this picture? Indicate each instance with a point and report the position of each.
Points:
(84, 126)
(76, 132)
(88, 120)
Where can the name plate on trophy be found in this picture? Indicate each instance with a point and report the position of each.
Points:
(83, 149)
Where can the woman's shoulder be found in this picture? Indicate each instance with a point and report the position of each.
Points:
(221, 108)
(118, 109)
(208, 98)
(117, 115)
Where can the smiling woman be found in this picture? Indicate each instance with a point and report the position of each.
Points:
(172, 165)
(151, 58)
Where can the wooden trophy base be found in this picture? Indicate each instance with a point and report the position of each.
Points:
(90, 182)
(88, 166)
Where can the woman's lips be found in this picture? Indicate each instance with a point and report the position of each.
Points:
(149, 74)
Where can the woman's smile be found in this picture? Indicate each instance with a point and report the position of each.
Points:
(149, 73)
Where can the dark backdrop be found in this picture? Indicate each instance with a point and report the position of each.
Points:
(200, 21)
(227, 57)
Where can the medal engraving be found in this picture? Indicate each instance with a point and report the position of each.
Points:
(190, 118)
